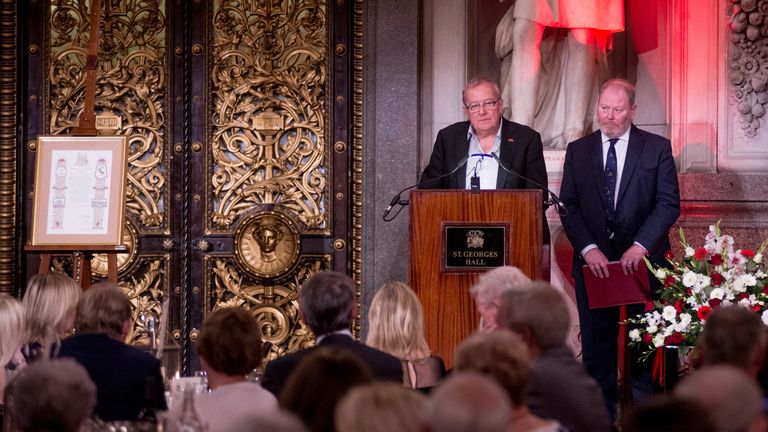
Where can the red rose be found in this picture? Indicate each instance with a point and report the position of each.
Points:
(755, 308)
(649, 306)
(716, 259)
(742, 296)
(675, 338)
(647, 338)
(688, 292)
(717, 279)
(669, 255)
(748, 253)
(669, 281)
(714, 302)
(678, 306)
(704, 312)
(700, 254)
(765, 290)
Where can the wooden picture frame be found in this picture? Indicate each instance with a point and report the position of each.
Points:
(79, 190)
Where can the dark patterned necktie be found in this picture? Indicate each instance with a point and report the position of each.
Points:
(610, 179)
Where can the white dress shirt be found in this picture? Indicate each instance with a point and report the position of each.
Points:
(621, 156)
(485, 167)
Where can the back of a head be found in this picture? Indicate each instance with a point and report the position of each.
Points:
(491, 285)
(468, 402)
(50, 298)
(733, 400)
(539, 307)
(104, 308)
(320, 381)
(326, 300)
(51, 395)
(396, 322)
(12, 327)
(736, 336)
(665, 413)
(277, 421)
(500, 355)
(230, 342)
(380, 407)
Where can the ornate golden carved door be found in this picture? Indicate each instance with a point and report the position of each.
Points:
(244, 126)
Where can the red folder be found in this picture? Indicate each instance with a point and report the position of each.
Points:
(617, 289)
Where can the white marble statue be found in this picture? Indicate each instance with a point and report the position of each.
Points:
(550, 83)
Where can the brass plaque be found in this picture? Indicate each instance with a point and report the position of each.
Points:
(474, 247)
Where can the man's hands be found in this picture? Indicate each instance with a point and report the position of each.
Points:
(630, 261)
(597, 262)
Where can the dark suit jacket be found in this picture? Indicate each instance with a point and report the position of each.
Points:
(560, 389)
(382, 365)
(648, 202)
(120, 373)
(520, 151)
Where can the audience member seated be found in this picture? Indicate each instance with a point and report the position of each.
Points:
(488, 290)
(560, 388)
(49, 302)
(734, 336)
(320, 381)
(279, 421)
(51, 395)
(468, 402)
(11, 338)
(380, 407)
(731, 397)
(396, 326)
(126, 377)
(665, 413)
(503, 357)
(229, 348)
(327, 306)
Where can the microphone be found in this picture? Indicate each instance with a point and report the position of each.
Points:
(397, 200)
(553, 199)
(474, 182)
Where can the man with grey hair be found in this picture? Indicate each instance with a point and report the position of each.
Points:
(327, 305)
(488, 289)
(51, 395)
(468, 402)
(127, 378)
(732, 399)
(560, 388)
(477, 147)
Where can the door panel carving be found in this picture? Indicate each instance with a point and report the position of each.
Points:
(235, 196)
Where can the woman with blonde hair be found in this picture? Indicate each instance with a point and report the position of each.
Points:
(11, 338)
(49, 301)
(396, 327)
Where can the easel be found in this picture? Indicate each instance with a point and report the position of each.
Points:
(81, 259)
(82, 254)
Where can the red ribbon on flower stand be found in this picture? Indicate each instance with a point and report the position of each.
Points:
(665, 365)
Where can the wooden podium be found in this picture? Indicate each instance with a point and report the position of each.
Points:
(453, 223)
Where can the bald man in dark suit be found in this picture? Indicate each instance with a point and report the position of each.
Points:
(621, 194)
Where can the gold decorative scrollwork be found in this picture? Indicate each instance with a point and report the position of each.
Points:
(275, 306)
(124, 260)
(146, 290)
(268, 115)
(130, 84)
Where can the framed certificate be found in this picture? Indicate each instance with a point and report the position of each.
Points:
(79, 190)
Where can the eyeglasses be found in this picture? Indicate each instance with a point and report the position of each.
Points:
(488, 105)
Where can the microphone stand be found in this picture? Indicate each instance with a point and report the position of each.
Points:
(397, 200)
(553, 198)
